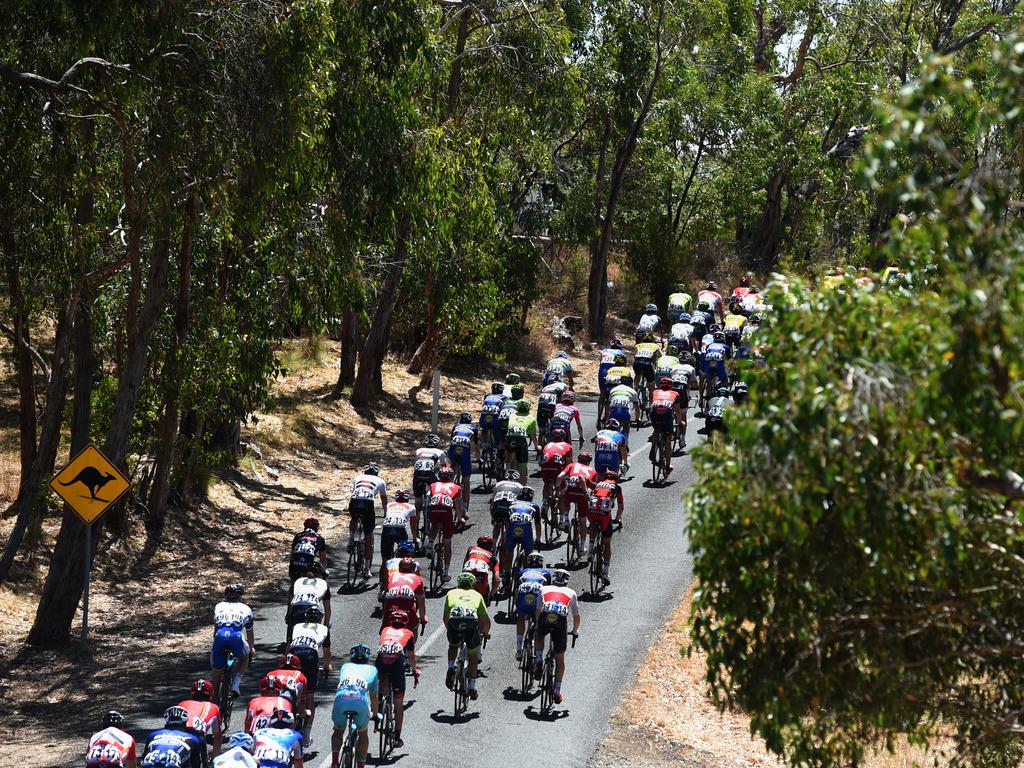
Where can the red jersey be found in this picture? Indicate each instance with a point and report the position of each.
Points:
(481, 555)
(556, 455)
(110, 747)
(203, 716)
(395, 644)
(663, 402)
(443, 495)
(604, 497)
(293, 683)
(579, 479)
(402, 591)
(740, 291)
(713, 298)
(261, 708)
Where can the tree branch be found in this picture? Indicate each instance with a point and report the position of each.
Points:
(32, 350)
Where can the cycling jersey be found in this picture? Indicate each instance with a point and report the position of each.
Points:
(305, 548)
(441, 506)
(683, 375)
(236, 757)
(464, 604)
(680, 335)
(663, 402)
(615, 375)
(307, 592)
(395, 644)
(551, 395)
(679, 302)
(554, 459)
(368, 487)
(712, 298)
(562, 417)
(230, 620)
(740, 291)
(277, 747)
(519, 529)
(646, 354)
(173, 748)
(203, 716)
(714, 357)
(648, 323)
(521, 427)
(391, 567)
(508, 409)
(110, 748)
(606, 450)
(358, 682)
(621, 402)
(700, 321)
(311, 635)
(490, 410)
(602, 503)
(482, 563)
(397, 518)
(751, 302)
(260, 709)
(734, 322)
(578, 479)
(402, 592)
(560, 601)
(558, 369)
(607, 361)
(665, 365)
(460, 447)
(505, 494)
(531, 583)
(291, 681)
(429, 460)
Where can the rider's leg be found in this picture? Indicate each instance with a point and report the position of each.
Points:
(559, 670)
(447, 553)
(363, 745)
(474, 662)
(337, 739)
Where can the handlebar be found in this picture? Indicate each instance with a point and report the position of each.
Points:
(575, 637)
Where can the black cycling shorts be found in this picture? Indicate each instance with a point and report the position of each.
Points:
(389, 536)
(421, 483)
(499, 513)
(519, 447)
(310, 667)
(556, 626)
(363, 509)
(464, 629)
(662, 422)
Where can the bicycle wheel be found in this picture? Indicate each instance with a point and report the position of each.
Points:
(461, 685)
(387, 726)
(656, 461)
(572, 543)
(348, 752)
(224, 694)
(526, 664)
(547, 691)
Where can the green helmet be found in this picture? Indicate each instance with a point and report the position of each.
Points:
(523, 406)
(466, 580)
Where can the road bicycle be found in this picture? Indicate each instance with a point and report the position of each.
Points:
(596, 568)
(512, 578)
(488, 465)
(549, 518)
(436, 552)
(356, 555)
(385, 725)
(461, 683)
(224, 698)
(547, 687)
(678, 436)
(661, 459)
(526, 662)
(348, 747)
(644, 396)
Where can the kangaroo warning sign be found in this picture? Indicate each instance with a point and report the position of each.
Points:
(90, 484)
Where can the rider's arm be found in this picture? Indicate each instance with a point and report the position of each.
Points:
(373, 704)
(622, 505)
(485, 620)
(327, 655)
(447, 610)
(327, 607)
(579, 423)
(421, 603)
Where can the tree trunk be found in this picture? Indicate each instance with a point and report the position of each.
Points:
(759, 242)
(426, 348)
(368, 379)
(168, 434)
(24, 375)
(349, 349)
(455, 75)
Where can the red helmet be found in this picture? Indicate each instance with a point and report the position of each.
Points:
(447, 474)
(311, 524)
(398, 618)
(202, 689)
(407, 565)
(270, 684)
(568, 397)
(486, 542)
(291, 661)
(745, 281)
(665, 382)
(585, 457)
(558, 435)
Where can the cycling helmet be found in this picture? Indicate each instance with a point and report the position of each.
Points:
(615, 343)
(512, 379)
(404, 548)
(113, 717)
(755, 318)
(646, 337)
(686, 358)
(497, 388)
(431, 441)
(466, 580)
(715, 328)
(311, 524)
(291, 661)
(270, 684)
(373, 468)
(723, 391)
(745, 281)
(242, 740)
(568, 397)
(314, 614)
(558, 435)
(486, 542)
(535, 560)
(512, 475)
(523, 406)
(584, 457)
(681, 287)
(711, 286)
(402, 494)
(672, 351)
(651, 309)
(282, 718)
(446, 474)
(398, 618)
(465, 418)
(685, 317)
(518, 391)
(407, 565)
(234, 591)
(176, 717)
(560, 577)
(665, 382)
(612, 474)
(621, 359)
(202, 688)
(561, 355)
(526, 493)
(627, 380)
(613, 424)
(719, 337)
(359, 653)
(739, 392)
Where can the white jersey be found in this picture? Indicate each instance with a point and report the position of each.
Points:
(552, 597)
(109, 747)
(309, 591)
(232, 614)
(309, 635)
(236, 757)
(684, 374)
(712, 298)
(367, 487)
(681, 331)
(648, 323)
(751, 302)
(429, 459)
(398, 515)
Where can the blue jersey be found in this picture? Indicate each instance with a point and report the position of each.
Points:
(275, 747)
(606, 449)
(716, 351)
(534, 575)
(172, 748)
(463, 437)
(490, 410)
(358, 681)
(607, 361)
(522, 512)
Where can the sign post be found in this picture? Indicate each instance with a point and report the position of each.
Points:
(90, 484)
(437, 401)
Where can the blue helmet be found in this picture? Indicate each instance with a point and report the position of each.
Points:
(242, 740)
(651, 309)
(405, 547)
(359, 653)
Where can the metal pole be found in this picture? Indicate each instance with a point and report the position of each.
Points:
(85, 585)
(437, 401)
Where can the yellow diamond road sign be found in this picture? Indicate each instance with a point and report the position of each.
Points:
(90, 484)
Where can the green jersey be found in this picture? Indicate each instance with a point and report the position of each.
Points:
(522, 425)
(665, 365)
(464, 604)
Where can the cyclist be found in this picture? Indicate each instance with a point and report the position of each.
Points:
(521, 435)
(400, 522)
(713, 299)
(366, 487)
(481, 561)
(649, 321)
(512, 381)
(607, 362)
(429, 459)
(616, 373)
(611, 449)
(684, 377)
(307, 546)
(403, 549)
(309, 639)
(505, 493)
(665, 363)
(624, 404)
(556, 456)
(489, 414)
(233, 632)
(739, 392)
(574, 485)
(533, 577)
(278, 745)
(445, 507)
(559, 369)
(203, 713)
(289, 680)
(396, 651)
(174, 744)
(557, 602)
(309, 590)
(647, 351)
(463, 448)
(743, 288)
(549, 397)
(238, 753)
(522, 517)
(701, 320)
(678, 303)
(713, 360)
(508, 409)
(262, 707)
(465, 620)
(680, 335)
(713, 419)
(564, 415)
(752, 302)
(665, 411)
(406, 593)
(111, 747)
(734, 323)
(356, 695)
(607, 494)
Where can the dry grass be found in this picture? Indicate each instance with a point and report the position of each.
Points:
(10, 472)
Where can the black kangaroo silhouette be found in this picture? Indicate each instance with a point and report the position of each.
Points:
(92, 479)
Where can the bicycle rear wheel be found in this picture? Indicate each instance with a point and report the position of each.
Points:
(387, 726)
(572, 543)
(547, 691)
(224, 694)
(526, 663)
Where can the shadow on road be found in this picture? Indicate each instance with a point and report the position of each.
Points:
(515, 694)
(601, 597)
(446, 717)
(535, 714)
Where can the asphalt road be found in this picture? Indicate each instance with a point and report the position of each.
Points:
(650, 570)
